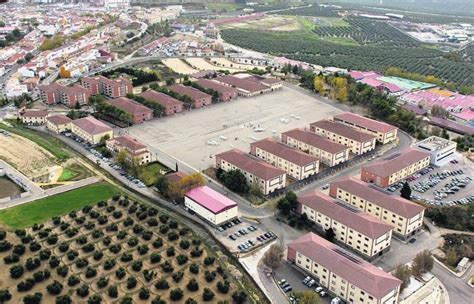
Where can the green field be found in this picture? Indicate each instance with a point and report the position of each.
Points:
(48, 142)
(149, 174)
(44, 209)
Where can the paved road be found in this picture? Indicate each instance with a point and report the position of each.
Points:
(459, 291)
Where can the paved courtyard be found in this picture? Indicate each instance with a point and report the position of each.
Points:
(195, 137)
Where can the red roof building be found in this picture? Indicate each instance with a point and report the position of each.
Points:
(171, 105)
(135, 150)
(395, 168)
(70, 96)
(137, 111)
(198, 98)
(245, 87)
(112, 88)
(226, 93)
(346, 275)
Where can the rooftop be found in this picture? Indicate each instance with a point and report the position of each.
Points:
(452, 125)
(35, 113)
(396, 162)
(129, 142)
(315, 140)
(161, 98)
(91, 125)
(59, 119)
(345, 214)
(395, 204)
(283, 151)
(406, 84)
(244, 84)
(188, 91)
(358, 272)
(251, 164)
(129, 106)
(434, 143)
(214, 85)
(343, 130)
(365, 122)
(211, 199)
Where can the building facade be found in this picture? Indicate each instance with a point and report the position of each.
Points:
(329, 152)
(138, 112)
(58, 123)
(257, 172)
(199, 99)
(440, 149)
(395, 167)
(358, 142)
(34, 117)
(170, 105)
(135, 150)
(112, 88)
(405, 216)
(343, 274)
(70, 96)
(368, 236)
(91, 130)
(295, 163)
(384, 132)
(226, 93)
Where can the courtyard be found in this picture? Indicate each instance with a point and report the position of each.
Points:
(195, 137)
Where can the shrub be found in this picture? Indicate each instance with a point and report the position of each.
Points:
(109, 264)
(98, 255)
(152, 222)
(101, 204)
(80, 220)
(43, 234)
(146, 235)
(137, 265)
(223, 286)
(88, 248)
(182, 259)
(73, 281)
(126, 300)
(54, 262)
(73, 214)
(209, 276)
(25, 285)
(5, 295)
(3, 234)
(94, 299)
(54, 288)
(32, 263)
(142, 250)
(176, 294)
(120, 273)
(164, 218)
(167, 267)
(112, 228)
(116, 197)
(194, 268)
(81, 240)
(110, 209)
(91, 272)
(62, 271)
(131, 283)
(184, 231)
(71, 255)
(184, 244)
(89, 225)
(142, 216)
(34, 246)
(196, 242)
(128, 222)
(70, 232)
(102, 282)
(149, 274)
(64, 299)
(26, 239)
(209, 261)
(117, 214)
(112, 292)
(44, 254)
(86, 209)
(33, 299)
(64, 226)
(81, 263)
(116, 248)
(132, 242)
(152, 211)
(144, 293)
(196, 252)
(158, 300)
(40, 276)
(162, 284)
(164, 229)
(173, 236)
(126, 257)
(155, 258)
(173, 224)
(192, 285)
(12, 258)
(63, 247)
(137, 229)
(207, 295)
(158, 243)
(239, 297)
(132, 209)
(19, 249)
(107, 241)
(83, 291)
(52, 239)
(121, 235)
(97, 234)
(37, 227)
(177, 276)
(190, 301)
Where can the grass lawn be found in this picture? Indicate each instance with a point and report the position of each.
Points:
(74, 172)
(67, 175)
(48, 142)
(44, 209)
(149, 174)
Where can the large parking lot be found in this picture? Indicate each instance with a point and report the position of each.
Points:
(448, 185)
(195, 137)
(243, 236)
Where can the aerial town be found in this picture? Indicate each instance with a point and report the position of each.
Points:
(294, 151)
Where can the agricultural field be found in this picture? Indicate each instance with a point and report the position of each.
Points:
(203, 65)
(226, 64)
(179, 66)
(114, 251)
(269, 23)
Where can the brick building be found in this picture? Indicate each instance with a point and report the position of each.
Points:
(112, 88)
(137, 111)
(226, 93)
(171, 105)
(199, 99)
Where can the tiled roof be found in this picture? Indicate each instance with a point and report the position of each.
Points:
(130, 106)
(59, 119)
(365, 122)
(250, 164)
(51, 87)
(395, 162)
(91, 125)
(163, 99)
(188, 91)
(174, 176)
(315, 141)
(394, 204)
(210, 84)
(283, 151)
(211, 199)
(336, 210)
(75, 90)
(129, 142)
(247, 85)
(35, 113)
(343, 130)
(358, 272)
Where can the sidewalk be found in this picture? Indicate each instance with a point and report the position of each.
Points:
(433, 292)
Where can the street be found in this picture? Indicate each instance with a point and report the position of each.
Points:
(459, 291)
